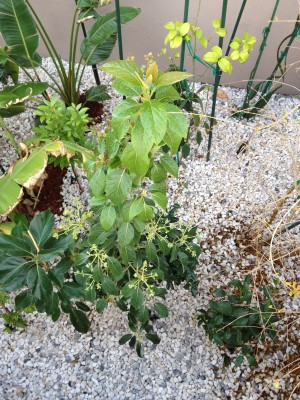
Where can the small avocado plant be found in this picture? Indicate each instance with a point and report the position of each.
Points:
(126, 248)
(233, 322)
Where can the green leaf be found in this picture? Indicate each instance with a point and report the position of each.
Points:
(79, 320)
(161, 310)
(136, 162)
(167, 94)
(225, 65)
(211, 57)
(39, 284)
(160, 199)
(128, 71)
(128, 289)
(239, 361)
(120, 127)
(126, 109)
(153, 337)
(151, 252)
(101, 305)
(169, 78)
(169, 165)
(18, 28)
(97, 183)
(135, 208)
(97, 93)
(41, 227)
(252, 361)
(115, 268)
(126, 88)
(52, 307)
(137, 298)
(125, 338)
(220, 293)
(147, 212)
(82, 306)
(143, 314)
(23, 300)
(139, 349)
(222, 32)
(108, 217)
(177, 127)
(12, 269)
(154, 119)
(125, 234)
(14, 246)
(142, 140)
(94, 54)
(109, 287)
(216, 23)
(158, 173)
(118, 185)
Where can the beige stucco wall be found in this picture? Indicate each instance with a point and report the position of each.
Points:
(146, 32)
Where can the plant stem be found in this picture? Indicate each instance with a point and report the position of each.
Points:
(78, 179)
(10, 136)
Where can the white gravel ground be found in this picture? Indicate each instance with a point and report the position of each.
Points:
(223, 197)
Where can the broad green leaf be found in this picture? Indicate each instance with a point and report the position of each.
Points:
(169, 165)
(112, 145)
(151, 252)
(167, 94)
(137, 298)
(97, 93)
(161, 310)
(27, 171)
(128, 289)
(128, 71)
(147, 212)
(177, 127)
(79, 320)
(18, 28)
(120, 127)
(143, 314)
(73, 290)
(108, 217)
(184, 28)
(10, 194)
(211, 57)
(225, 65)
(106, 25)
(142, 140)
(118, 185)
(125, 234)
(158, 173)
(154, 119)
(169, 78)
(126, 88)
(41, 227)
(109, 287)
(52, 307)
(12, 268)
(12, 245)
(160, 199)
(94, 54)
(136, 162)
(101, 305)
(222, 32)
(97, 183)
(115, 268)
(235, 55)
(135, 208)
(39, 284)
(126, 109)
(23, 300)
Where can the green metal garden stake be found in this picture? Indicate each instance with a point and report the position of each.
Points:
(266, 33)
(216, 84)
(120, 40)
(185, 18)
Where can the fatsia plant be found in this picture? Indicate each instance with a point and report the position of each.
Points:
(21, 29)
(127, 249)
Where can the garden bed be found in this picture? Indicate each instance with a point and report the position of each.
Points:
(225, 198)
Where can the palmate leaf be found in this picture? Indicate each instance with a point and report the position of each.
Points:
(18, 28)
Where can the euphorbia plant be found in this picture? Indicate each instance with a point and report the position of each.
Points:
(126, 249)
